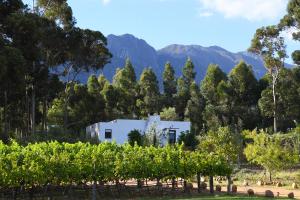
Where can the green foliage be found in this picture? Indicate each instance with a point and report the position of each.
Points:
(168, 114)
(292, 21)
(41, 46)
(93, 85)
(135, 137)
(81, 163)
(188, 73)
(170, 84)
(149, 103)
(268, 43)
(237, 98)
(125, 84)
(194, 109)
(111, 96)
(188, 139)
(287, 95)
(269, 151)
(183, 87)
(222, 142)
(58, 11)
(209, 89)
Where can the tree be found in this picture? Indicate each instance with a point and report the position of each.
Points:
(189, 140)
(188, 73)
(86, 108)
(93, 85)
(287, 97)
(149, 92)
(209, 89)
(269, 151)
(125, 83)
(183, 87)
(195, 108)
(111, 97)
(181, 98)
(31, 33)
(102, 81)
(291, 23)
(168, 114)
(268, 44)
(86, 51)
(238, 98)
(169, 83)
(58, 11)
(50, 45)
(135, 137)
(222, 143)
(11, 82)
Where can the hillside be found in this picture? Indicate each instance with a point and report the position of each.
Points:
(144, 55)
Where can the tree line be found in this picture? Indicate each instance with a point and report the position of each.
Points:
(237, 100)
(42, 52)
(39, 47)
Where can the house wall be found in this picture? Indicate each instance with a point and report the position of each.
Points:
(120, 129)
(174, 125)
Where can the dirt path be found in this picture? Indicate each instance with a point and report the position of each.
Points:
(260, 190)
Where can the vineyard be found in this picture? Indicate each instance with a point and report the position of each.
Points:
(41, 165)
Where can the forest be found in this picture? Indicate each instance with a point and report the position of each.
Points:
(42, 53)
(44, 109)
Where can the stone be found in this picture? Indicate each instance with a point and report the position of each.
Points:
(250, 192)
(279, 184)
(218, 188)
(269, 193)
(291, 195)
(234, 189)
(294, 186)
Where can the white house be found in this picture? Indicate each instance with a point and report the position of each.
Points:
(117, 130)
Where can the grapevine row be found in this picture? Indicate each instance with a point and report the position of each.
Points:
(57, 163)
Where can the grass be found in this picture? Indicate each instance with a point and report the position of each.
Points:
(252, 176)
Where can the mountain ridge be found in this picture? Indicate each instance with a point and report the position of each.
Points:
(144, 55)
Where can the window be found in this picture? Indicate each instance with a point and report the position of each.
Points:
(108, 133)
(172, 136)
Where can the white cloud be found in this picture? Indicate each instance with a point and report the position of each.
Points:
(252, 10)
(105, 2)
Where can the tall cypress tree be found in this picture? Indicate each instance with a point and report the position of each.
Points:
(93, 85)
(188, 73)
(183, 87)
(125, 83)
(149, 103)
(169, 83)
(195, 109)
(209, 88)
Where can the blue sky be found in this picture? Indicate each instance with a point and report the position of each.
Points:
(226, 23)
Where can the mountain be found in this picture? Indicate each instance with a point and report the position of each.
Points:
(143, 55)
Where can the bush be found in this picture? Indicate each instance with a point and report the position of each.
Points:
(188, 139)
(135, 136)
